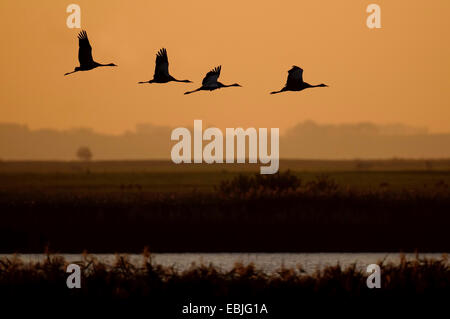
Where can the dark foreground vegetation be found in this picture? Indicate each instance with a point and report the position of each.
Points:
(249, 212)
(165, 289)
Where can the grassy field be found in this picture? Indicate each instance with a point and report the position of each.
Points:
(389, 205)
(162, 176)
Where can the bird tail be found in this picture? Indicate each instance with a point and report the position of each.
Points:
(142, 82)
(275, 92)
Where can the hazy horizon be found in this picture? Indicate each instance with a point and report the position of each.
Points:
(305, 140)
(399, 73)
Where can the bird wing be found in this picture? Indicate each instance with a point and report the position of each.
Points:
(295, 76)
(161, 64)
(85, 49)
(212, 76)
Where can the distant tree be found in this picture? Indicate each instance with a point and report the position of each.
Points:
(84, 153)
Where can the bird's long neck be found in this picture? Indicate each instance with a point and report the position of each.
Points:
(227, 85)
(315, 86)
(184, 81)
(109, 64)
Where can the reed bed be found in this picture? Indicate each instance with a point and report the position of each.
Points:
(123, 279)
(248, 213)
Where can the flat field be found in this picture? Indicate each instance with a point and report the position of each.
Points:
(385, 205)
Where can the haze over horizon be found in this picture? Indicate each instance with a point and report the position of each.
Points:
(306, 140)
(397, 74)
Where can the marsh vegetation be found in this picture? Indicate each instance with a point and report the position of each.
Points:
(309, 206)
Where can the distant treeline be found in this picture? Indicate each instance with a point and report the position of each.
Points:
(306, 140)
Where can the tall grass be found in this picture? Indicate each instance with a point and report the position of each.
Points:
(124, 279)
(150, 290)
(248, 213)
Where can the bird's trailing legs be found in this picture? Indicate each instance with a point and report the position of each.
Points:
(95, 65)
(70, 72)
(189, 92)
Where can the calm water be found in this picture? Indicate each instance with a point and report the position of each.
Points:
(268, 262)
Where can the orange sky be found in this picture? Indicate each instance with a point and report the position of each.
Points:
(400, 73)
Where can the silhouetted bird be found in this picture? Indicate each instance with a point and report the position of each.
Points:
(295, 81)
(210, 82)
(162, 70)
(85, 55)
